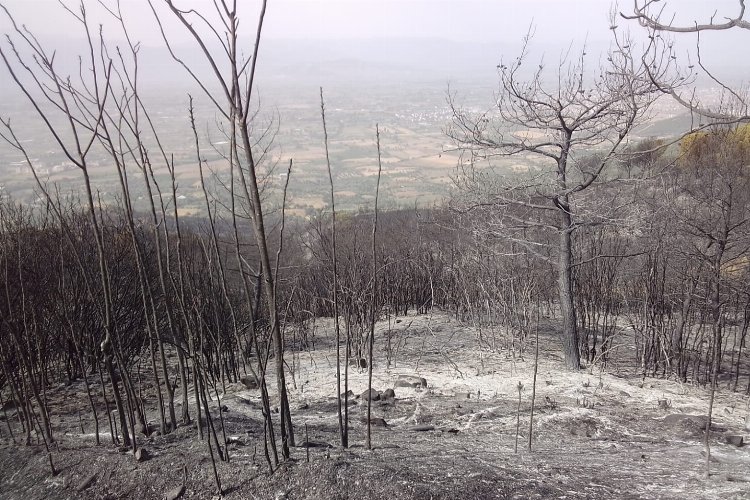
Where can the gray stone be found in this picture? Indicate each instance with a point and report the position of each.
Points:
(250, 382)
(734, 440)
(378, 422)
(388, 394)
(421, 428)
(86, 482)
(175, 493)
(685, 420)
(692, 424)
(349, 394)
(370, 395)
(411, 381)
(141, 455)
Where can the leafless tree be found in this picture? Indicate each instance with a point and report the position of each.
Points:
(552, 122)
(711, 203)
(343, 422)
(33, 70)
(658, 20)
(374, 296)
(235, 86)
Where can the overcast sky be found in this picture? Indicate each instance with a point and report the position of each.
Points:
(466, 20)
(437, 39)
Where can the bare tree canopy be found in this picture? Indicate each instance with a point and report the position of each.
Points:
(648, 13)
(733, 105)
(571, 126)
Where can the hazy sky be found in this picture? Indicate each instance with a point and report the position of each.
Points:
(446, 39)
(466, 20)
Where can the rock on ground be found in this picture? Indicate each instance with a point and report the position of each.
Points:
(370, 395)
(411, 381)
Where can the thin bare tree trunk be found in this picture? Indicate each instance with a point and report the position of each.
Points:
(716, 309)
(533, 383)
(374, 299)
(343, 429)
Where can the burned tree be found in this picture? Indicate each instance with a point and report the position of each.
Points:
(233, 102)
(567, 128)
(657, 18)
